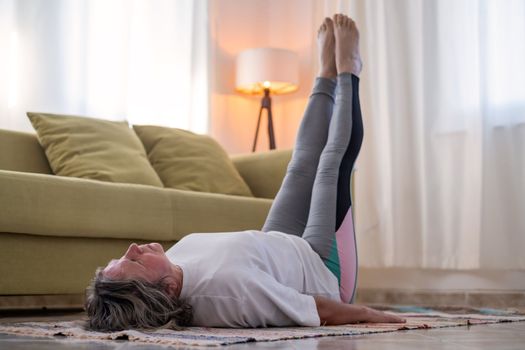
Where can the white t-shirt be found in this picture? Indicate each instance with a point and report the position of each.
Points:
(252, 279)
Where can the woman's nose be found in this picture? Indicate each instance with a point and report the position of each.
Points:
(133, 251)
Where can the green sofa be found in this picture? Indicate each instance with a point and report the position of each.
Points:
(54, 230)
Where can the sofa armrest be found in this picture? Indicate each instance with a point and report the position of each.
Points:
(264, 171)
(21, 151)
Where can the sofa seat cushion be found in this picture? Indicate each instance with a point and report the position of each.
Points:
(93, 149)
(188, 161)
(50, 205)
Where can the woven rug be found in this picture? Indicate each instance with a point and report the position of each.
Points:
(417, 318)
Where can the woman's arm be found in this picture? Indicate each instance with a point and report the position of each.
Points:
(334, 313)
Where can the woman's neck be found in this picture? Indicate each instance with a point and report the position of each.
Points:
(177, 279)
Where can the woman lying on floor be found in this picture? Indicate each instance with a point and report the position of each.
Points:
(301, 269)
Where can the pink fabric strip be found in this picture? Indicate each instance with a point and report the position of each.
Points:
(346, 248)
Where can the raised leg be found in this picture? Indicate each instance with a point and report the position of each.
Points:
(338, 248)
(289, 211)
(321, 224)
(343, 256)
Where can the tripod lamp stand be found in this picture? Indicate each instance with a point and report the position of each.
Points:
(267, 71)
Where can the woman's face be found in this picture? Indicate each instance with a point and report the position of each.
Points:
(145, 262)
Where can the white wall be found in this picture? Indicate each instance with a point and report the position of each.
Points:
(238, 25)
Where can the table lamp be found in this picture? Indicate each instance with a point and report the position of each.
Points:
(265, 71)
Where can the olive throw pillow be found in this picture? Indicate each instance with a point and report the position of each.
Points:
(189, 161)
(93, 149)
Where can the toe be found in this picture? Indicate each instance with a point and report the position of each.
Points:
(344, 20)
(330, 23)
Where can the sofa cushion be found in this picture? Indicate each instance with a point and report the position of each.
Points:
(93, 149)
(188, 161)
(46, 205)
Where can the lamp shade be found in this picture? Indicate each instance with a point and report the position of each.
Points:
(260, 68)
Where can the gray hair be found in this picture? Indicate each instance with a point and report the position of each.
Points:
(114, 305)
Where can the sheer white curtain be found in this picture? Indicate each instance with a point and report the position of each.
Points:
(144, 61)
(441, 176)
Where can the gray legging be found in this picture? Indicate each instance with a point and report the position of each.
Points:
(318, 177)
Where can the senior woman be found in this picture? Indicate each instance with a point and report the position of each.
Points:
(300, 269)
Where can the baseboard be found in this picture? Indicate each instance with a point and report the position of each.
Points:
(42, 302)
(493, 299)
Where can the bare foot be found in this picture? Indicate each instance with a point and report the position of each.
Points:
(347, 57)
(326, 46)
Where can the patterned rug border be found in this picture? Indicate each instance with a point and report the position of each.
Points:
(417, 318)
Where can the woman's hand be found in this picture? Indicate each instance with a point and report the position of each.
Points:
(334, 313)
(377, 316)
